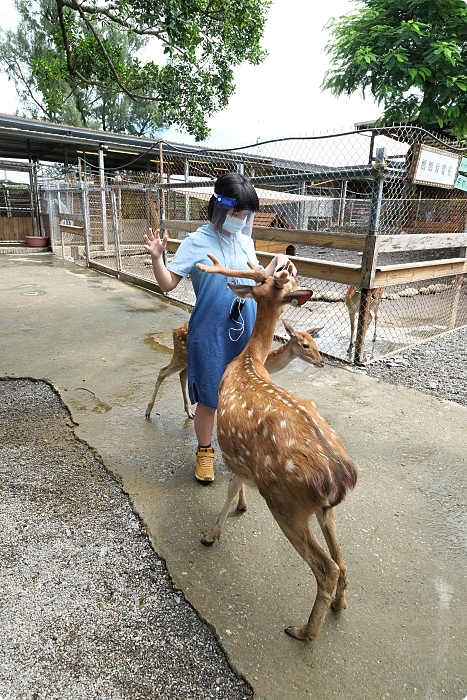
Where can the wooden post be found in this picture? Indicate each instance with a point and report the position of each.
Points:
(369, 260)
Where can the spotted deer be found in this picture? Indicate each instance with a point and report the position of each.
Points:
(281, 444)
(352, 302)
(300, 344)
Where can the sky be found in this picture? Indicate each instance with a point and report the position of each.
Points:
(279, 98)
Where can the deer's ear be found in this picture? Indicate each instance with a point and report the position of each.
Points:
(297, 298)
(244, 291)
(312, 331)
(288, 328)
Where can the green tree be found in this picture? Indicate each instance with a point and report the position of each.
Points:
(33, 57)
(410, 55)
(202, 41)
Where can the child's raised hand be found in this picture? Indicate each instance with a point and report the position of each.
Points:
(155, 245)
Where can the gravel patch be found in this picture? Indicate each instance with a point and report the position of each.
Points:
(438, 368)
(88, 609)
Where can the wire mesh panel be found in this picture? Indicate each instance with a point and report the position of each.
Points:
(373, 227)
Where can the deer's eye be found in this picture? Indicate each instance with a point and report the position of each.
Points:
(305, 345)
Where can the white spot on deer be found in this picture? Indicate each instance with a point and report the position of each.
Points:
(267, 460)
(247, 452)
(290, 442)
(250, 412)
(283, 423)
(265, 431)
(244, 404)
(289, 465)
(272, 475)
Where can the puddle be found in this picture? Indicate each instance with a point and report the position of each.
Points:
(163, 342)
(90, 402)
(31, 294)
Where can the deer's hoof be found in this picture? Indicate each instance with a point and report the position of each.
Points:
(147, 415)
(339, 603)
(298, 632)
(207, 541)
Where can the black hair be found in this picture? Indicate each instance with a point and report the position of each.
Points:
(237, 186)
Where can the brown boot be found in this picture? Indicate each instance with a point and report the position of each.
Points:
(204, 470)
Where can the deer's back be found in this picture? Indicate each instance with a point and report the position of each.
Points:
(282, 443)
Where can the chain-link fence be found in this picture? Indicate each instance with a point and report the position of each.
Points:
(376, 221)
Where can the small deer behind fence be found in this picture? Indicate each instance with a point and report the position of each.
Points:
(300, 344)
(281, 444)
(352, 302)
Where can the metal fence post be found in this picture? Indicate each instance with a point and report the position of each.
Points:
(86, 220)
(103, 198)
(113, 205)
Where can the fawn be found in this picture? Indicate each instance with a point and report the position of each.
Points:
(281, 444)
(300, 344)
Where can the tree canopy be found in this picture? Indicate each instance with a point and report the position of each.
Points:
(410, 55)
(202, 41)
(33, 58)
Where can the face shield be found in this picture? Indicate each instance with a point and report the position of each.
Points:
(227, 220)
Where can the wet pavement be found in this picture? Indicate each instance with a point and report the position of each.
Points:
(100, 342)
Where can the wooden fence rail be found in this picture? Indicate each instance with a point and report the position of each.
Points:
(383, 275)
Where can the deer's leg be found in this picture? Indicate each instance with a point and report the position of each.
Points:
(352, 329)
(235, 485)
(186, 399)
(163, 374)
(325, 570)
(327, 523)
(242, 504)
(376, 322)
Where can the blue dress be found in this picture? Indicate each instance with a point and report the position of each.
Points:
(214, 339)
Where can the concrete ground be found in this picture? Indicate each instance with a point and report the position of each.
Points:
(100, 343)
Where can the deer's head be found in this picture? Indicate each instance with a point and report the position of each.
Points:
(277, 290)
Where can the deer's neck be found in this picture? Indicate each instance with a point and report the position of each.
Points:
(263, 332)
(277, 359)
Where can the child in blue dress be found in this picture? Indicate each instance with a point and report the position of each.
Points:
(220, 324)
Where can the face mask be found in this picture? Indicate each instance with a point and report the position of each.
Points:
(232, 224)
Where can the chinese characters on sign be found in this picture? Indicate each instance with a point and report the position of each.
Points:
(435, 167)
(461, 183)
